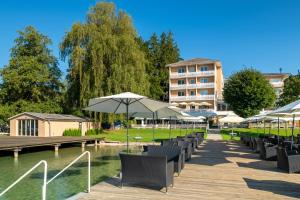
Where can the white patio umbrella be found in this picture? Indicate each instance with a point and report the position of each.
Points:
(233, 119)
(205, 104)
(126, 102)
(183, 103)
(165, 112)
(289, 110)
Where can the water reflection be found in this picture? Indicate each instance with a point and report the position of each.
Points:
(104, 163)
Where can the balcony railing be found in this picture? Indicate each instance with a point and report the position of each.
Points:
(192, 74)
(192, 86)
(190, 98)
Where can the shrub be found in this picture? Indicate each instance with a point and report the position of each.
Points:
(95, 131)
(72, 132)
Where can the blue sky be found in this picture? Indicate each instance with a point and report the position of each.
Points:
(263, 34)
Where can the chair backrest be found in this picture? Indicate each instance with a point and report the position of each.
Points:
(184, 144)
(170, 151)
(143, 167)
(168, 142)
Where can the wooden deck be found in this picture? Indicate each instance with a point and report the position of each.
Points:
(19, 142)
(218, 170)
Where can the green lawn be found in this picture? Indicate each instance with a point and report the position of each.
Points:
(146, 134)
(254, 131)
(228, 137)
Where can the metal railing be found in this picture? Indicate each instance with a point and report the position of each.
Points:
(74, 161)
(44, 187)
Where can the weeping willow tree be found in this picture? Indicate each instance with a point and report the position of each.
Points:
(104, 57)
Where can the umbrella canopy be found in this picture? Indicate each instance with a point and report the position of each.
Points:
(183, 103)
(174, 104)
(193, 119)
(120, 102)
(165, 112)
(126, 102)
(204, 104)
(289, 108)
(231, 119)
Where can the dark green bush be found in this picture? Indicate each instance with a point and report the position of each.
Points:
(95, 131)
(72, 132)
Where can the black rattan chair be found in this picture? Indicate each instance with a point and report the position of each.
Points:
(146, 170)
(173, 153)
(268, 151)
(288, 160)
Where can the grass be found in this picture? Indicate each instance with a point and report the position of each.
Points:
(254, 131)
(145, 134)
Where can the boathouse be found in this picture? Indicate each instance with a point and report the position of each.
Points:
(46, 125)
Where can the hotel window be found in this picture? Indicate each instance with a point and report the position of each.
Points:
(203, 80)
(181, 70)
(192, 93)
(28, 127)
(204, 92)
(180, 82)
(192, 81)
(192, 107)
(204, 68)
(181, 93)
(192, 69)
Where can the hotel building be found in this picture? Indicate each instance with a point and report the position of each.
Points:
(277, 81)
(196, 84)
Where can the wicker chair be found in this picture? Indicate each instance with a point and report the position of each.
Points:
(288, 160)
(173, 153)
(257, 140)
(268, 151)
(147, 170)
(187, 147)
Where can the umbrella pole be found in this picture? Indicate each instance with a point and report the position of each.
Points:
(264, 127)
(293, 127)
(170, 129)
(127, 126)
(286, 134)
(153, 127)
(186, 126)
(256, 126)
(180, 127)
(278, 130)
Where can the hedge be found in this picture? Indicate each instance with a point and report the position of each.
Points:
(72, 132)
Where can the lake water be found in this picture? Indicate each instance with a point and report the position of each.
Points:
(104, 164)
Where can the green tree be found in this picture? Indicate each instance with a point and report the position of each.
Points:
(160, 51)
(104, 57)
(291, 90)
(248, 92)
(31, 80)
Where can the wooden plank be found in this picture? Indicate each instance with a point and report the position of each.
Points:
(218, 170)
(12, 142)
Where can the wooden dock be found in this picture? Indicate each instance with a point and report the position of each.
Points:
(220, 170)
(17, 143)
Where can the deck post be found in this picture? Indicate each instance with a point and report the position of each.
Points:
(83, 145)
(56, 147)
(16, 152)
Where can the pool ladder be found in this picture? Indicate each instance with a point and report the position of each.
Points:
(45, 182)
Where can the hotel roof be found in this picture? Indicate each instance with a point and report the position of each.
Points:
(276, 74)
(200, 61)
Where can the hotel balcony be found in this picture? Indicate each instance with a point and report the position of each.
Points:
(192, 98)
(192, 74)
(192, 86)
